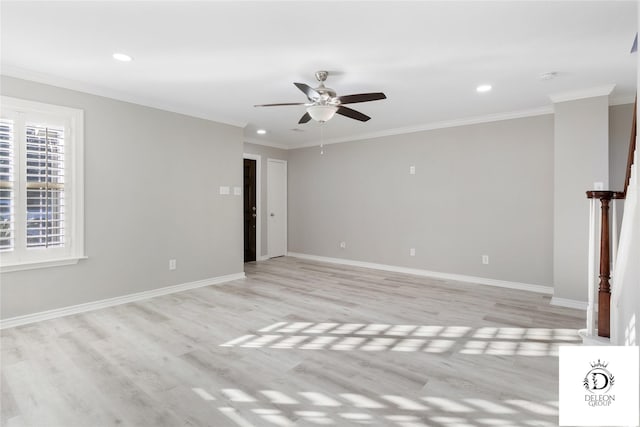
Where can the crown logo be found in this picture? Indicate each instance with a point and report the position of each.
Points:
(599, 364)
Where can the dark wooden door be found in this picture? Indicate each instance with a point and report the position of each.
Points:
(250, 213)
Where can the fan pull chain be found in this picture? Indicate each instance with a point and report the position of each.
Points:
(321, 138)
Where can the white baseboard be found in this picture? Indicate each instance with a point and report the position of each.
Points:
(262, 258)
(593, 340)
(426, 273)
(109, 302)
(569, 303)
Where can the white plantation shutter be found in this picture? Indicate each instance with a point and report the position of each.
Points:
(45, 167)
(7, 197)
(41, 185)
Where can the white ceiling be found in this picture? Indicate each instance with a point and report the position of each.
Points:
(217, 59)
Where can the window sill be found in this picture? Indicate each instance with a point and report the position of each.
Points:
(32, 265)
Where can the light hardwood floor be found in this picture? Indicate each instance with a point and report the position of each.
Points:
(298, 343)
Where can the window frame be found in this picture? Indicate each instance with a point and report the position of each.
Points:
(23, 111)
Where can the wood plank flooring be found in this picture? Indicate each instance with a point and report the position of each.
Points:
(297, 343)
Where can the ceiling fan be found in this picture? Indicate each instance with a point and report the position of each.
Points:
(324, 104)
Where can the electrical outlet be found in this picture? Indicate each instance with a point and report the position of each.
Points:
(343, 245)
(412, 252)
(485, 259)
(172, 264)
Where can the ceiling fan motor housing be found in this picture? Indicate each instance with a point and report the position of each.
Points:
(327, 95)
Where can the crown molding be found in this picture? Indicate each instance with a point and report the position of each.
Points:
(437, 125)
(38, 77)
(267, 143)
(582, 93)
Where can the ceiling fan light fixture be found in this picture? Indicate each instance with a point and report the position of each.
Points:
(322, 113)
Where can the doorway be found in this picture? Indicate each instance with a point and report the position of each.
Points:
(250, 209)
(277, 207)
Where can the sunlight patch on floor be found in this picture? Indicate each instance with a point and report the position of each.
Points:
(375, 337)
(321, 408)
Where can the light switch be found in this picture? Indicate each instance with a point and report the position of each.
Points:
(237, 191)
(224, 190)
(412, 170)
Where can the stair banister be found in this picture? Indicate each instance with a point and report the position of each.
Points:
(608, 245)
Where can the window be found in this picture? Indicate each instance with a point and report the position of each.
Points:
(41, 185)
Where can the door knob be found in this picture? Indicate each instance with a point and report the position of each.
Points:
(272, 214)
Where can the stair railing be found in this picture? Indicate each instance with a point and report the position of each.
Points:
(608, 247)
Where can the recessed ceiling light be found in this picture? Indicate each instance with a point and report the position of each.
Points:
(122, 57)
(261, 131)
(483, 88)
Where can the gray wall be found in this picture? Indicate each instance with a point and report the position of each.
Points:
(620, 119)
(151, 194)
(152, 181)
(478, 189)
(581, 157)
(265, 153)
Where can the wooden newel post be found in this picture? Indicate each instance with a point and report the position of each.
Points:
(604, 287)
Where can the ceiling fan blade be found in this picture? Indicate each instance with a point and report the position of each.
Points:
(311, 93)
(352, 114)
(361, 97)
(280, 104)
(304, 119)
